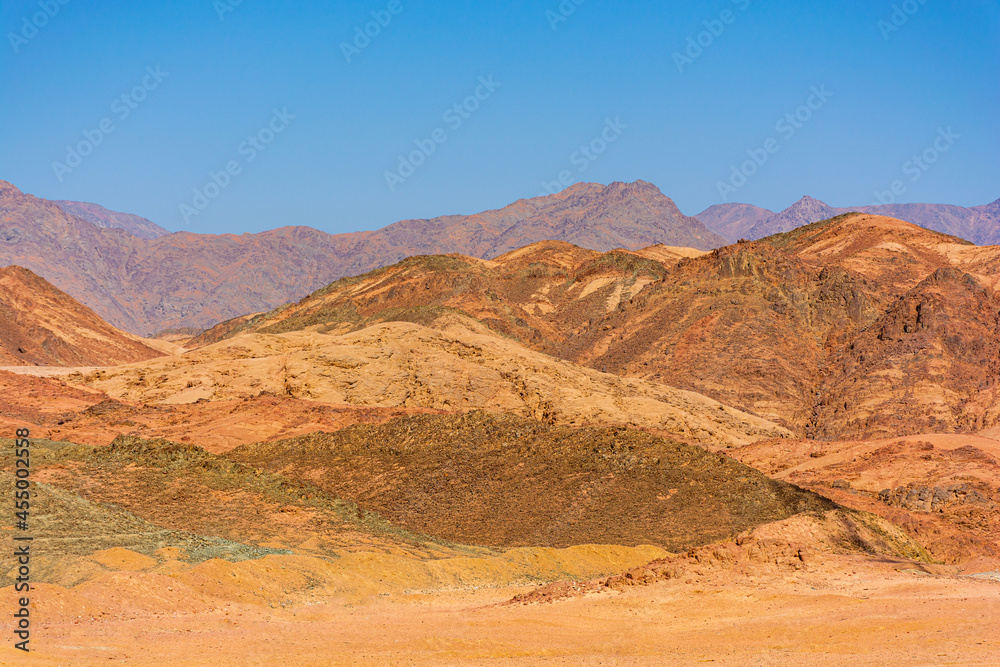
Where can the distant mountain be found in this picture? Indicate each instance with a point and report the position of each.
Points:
(597, 217)
(43, 326)
(105, 219)
(590, 215)
(184, 280)
(979, 224)
(803, 212)
(733, 221)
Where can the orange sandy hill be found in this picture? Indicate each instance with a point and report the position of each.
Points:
(456, 365)
(54, 410)
(41, 325)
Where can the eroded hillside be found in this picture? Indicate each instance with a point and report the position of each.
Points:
(782, 328)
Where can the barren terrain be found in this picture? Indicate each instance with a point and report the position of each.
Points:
(840, 610)
(781, 452)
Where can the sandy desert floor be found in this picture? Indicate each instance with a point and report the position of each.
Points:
(866, 613)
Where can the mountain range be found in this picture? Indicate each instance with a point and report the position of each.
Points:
(143, 279)
(857, 326)
(979, 224)
(144, 285)
(857, 356)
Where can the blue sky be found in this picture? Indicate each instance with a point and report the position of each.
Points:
(261, 94)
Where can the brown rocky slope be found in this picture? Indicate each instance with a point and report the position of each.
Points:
(501, 480)
(932, 358)
(771, 327)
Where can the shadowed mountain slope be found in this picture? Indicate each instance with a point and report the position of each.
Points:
(42, 326)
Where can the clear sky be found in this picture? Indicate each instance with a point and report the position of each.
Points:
(311, 119)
